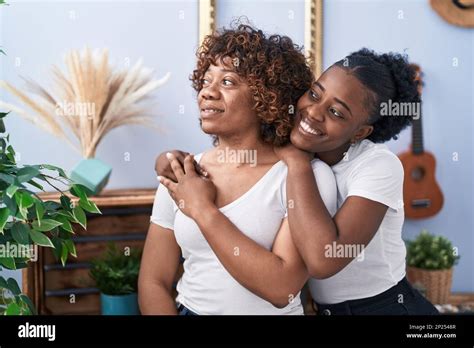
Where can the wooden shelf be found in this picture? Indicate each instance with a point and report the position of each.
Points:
(124, 220)
(459, 298)
(113, 198)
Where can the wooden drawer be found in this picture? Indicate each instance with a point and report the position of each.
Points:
(69, 290)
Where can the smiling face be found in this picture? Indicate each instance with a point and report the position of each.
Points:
(225, 102)
(331, 115)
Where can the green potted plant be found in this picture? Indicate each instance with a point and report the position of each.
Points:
(430, 261)
(116, 276)
(26, 221)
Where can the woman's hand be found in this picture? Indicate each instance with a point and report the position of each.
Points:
(193, 194)
(163, 167)
(291, 153)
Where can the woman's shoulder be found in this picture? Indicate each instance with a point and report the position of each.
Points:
(316, 163)
(277, 171)
(322, 170)
(377, 164)
(376, 156)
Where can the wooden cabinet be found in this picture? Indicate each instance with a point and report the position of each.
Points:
(55, 289)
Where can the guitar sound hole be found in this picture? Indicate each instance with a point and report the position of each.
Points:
(418, 173)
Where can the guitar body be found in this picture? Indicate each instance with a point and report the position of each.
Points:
(422, 195)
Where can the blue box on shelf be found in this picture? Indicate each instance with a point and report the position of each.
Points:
(92, 173)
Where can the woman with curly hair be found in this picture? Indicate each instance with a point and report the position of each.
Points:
(356, 258)
(247, 87)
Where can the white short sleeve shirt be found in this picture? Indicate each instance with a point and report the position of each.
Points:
(371, 171)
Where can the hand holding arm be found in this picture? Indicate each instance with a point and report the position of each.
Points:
(163, 167)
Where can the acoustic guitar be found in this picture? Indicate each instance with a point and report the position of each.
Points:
(422, 195)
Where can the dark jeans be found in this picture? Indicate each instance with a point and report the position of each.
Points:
(401, 299)
(182, 310)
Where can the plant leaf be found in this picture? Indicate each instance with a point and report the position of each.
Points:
(13, 309)
(40, 239)
(39, 211)
(46, 225)
(78, 190)
(66, 224)
(19, 201)
(8, 262)
(11, 190)
(80, 216)
(28, 302)
(9, 179)
(4, 214)
(70, 247)
(59, 170)
(23, 213)
(13, 286)
(10, 204)
(11, 151)
(58, 246)
(27, 200)
(64, 253)
(89, 206)
(69, 215)
(20, 233)
(51, 205)
(35, 184)
(27, 173)
(66, 202)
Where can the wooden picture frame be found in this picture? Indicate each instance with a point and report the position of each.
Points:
(313, 34)
(313, 28)
(207, 18)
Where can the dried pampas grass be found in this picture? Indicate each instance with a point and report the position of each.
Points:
(91, 99)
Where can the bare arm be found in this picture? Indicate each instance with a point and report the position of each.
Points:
(313, 228)
(158, 268)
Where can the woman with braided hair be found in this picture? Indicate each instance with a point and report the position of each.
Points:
(357, 257)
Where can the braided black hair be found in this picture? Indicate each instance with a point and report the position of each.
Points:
(387, 76)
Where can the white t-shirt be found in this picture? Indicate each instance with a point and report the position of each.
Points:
(205, 286)
(371, 171)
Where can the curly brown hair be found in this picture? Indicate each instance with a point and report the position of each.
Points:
(274, 68)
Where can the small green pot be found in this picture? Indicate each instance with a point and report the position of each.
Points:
(119, 304)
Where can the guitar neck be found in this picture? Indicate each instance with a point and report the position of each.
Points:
(416, 130)
(417, 137)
